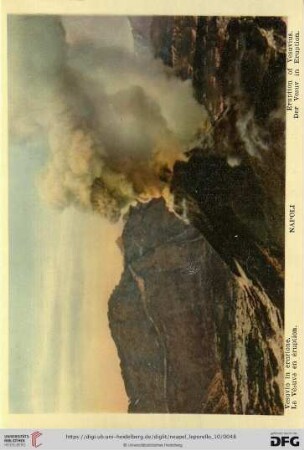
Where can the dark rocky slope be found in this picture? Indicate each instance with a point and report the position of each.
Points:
(198, 315)
(192, 337)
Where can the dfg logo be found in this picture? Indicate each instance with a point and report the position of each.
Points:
(282, 441)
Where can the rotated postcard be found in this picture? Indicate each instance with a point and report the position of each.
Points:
(152, 204)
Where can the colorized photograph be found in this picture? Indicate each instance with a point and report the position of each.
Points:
(146, 214)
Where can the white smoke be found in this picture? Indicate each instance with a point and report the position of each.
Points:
(110, 115)
(251, 134)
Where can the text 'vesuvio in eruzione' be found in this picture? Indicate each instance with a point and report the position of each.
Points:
(291, 370)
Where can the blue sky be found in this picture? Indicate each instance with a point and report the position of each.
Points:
(25, 161)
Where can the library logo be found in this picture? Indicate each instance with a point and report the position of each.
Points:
(35, 436)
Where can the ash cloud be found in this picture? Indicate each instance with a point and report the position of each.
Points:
(116, 120)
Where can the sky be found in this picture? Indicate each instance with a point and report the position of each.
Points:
(64, 265)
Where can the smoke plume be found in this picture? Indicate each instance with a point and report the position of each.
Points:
(115, 120)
